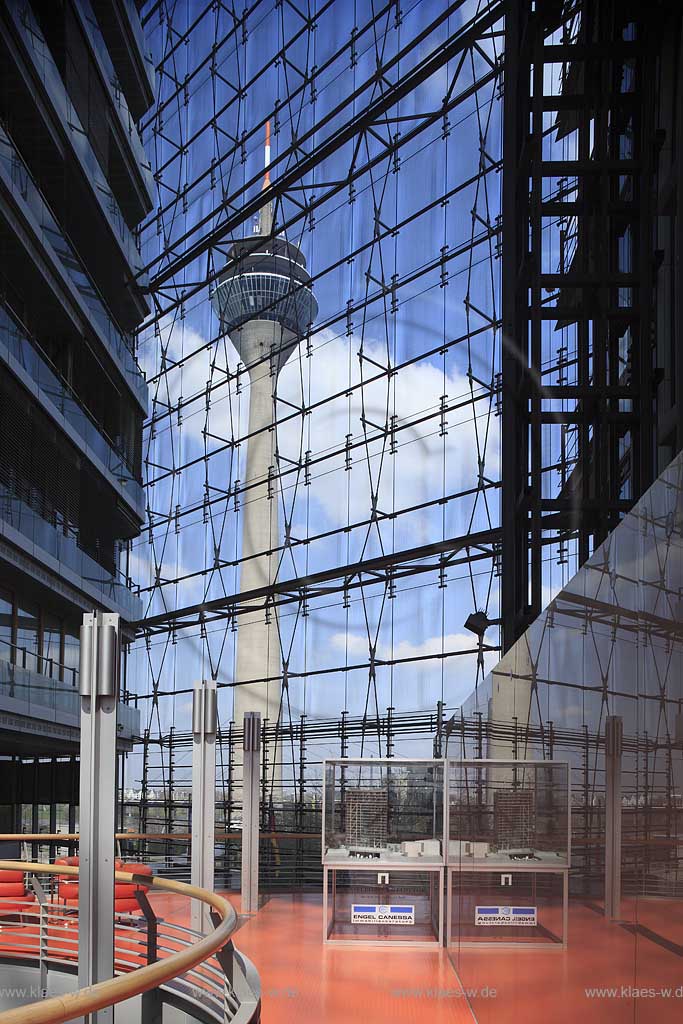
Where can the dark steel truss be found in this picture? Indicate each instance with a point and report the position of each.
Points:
(578, 285)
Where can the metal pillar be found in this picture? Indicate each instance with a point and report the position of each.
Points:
(250, 811)
(99, 685)
(203, 796)
(613, 750)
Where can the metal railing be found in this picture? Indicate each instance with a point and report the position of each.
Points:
(21, 345)
(41, 681)
(206, 972)
(41, 664)
(61, 541)
(288, 860)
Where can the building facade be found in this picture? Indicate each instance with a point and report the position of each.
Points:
(74, 183)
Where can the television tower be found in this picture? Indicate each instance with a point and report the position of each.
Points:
(265, 303)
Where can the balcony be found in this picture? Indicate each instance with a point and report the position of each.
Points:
(163, 969)
(58, 551)
(52, 131)
(138, 172)
(124, 37)
(27, 196)
(24, 359)
(36, 687)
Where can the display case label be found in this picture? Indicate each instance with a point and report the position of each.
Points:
(515, 916)
(380, 913)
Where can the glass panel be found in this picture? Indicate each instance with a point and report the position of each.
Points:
(515, 907)
(28, 636)
(608, 647)
(71, 653)
(52, 646)
(383, 811)
(5, 625)
(398, 906)
(508, 812)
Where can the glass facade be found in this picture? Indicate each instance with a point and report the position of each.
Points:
(6, 624)
(27, 652)
(609, 645)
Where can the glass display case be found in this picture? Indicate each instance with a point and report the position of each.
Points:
(517, 908)
(402, 906)
(508, 813)
(508, 853)
(383, 812)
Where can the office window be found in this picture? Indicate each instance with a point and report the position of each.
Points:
(71, 653)
(28, 635)
(52, 646)
(6, 616)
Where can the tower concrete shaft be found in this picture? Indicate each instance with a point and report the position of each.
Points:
(258, 644)
(264, 301)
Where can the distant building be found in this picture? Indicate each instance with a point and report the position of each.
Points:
(367, 810)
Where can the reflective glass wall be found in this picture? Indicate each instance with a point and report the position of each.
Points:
(609, 644)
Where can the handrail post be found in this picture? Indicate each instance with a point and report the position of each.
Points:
(99, 684)
(204, 720)
(224, 955)
(152, 927)
(43, 933)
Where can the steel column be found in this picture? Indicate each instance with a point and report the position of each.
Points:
(99, 686)
(203, 796)
(613, 751)
(250, 811)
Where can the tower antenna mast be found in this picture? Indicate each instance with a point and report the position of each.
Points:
(265, 217)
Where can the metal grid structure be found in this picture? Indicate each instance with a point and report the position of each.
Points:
(580, 437)
(385, 415)
(473, 411)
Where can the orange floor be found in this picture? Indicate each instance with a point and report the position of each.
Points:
(643, 968)
(304, 980)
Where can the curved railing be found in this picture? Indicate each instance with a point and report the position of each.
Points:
(137, 979)
(169, 854)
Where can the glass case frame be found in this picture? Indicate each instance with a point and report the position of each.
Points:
(375, 893)
(517, 858)
(372, 828)
(518, 819)
(502, 890)
(508, 826)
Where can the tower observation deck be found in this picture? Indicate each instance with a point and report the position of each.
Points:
(265, 303)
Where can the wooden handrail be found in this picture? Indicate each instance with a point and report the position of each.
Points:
(58, 1009)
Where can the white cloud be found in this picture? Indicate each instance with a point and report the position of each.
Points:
(357, 643)
(415, 473)
(423, 466)
(353, 642)
(435, 645)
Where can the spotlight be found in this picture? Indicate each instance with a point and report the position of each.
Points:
(478, 623)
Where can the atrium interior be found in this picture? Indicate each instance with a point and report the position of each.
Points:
(341, 511)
